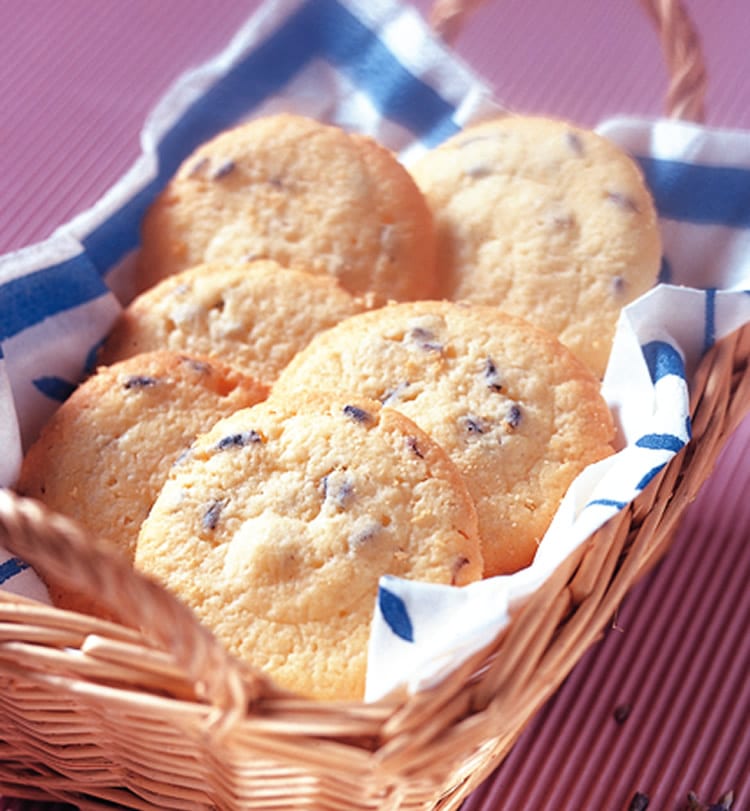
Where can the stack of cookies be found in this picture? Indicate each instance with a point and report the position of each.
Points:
(339, 369)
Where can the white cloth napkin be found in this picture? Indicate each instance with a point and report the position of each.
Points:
(376, 68)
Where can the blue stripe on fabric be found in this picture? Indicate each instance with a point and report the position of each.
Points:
(649, 476)
(321, 29)
(660, 442)
(662, 359)
(119, 234)
(261, 74)
(394, 91)
(29, 300)
(718, 195)
(56, 388)
(10, 568)
(394, 612)
(709, 332)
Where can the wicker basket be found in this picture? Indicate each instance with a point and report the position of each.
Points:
(150, 712)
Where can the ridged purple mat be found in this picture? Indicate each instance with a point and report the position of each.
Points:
(661, 705)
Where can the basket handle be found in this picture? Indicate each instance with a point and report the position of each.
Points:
(49, 542)
(679, 41)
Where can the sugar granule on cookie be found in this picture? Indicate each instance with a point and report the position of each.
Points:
(517, 412)
(550, 221)
(308, 195)
(278, 527)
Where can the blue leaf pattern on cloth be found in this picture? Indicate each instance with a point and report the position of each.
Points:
(10, 568)
(660, 442)
(649, 476)
(394, 612)
(607, 502)
(662, 359)
(56, 388)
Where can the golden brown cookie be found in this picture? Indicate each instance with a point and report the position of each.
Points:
(516, 411)
(550, 221)
(305, 194)
(255, 317)
(278, 524)
(106, 452)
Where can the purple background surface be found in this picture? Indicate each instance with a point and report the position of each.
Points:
(77, 79)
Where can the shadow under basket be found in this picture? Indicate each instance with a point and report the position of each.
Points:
(150, 712)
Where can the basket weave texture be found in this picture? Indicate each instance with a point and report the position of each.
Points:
(150, 712)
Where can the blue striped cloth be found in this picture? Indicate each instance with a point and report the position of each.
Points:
(375, 67)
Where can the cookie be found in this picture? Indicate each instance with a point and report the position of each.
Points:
(255, 317)
(305, 194)
(550, 221)
(277, 526)
(515, 410)
(104, 455)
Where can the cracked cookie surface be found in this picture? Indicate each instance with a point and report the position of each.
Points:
(255, 316)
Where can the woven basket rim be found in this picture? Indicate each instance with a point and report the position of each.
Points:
(401, 737)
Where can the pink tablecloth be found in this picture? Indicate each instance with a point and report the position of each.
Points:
(661, 705)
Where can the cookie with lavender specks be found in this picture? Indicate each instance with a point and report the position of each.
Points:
(515, 410)
(255, 317)
(277, 526)
(105, 453)
(306, 194)
(547, 220)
